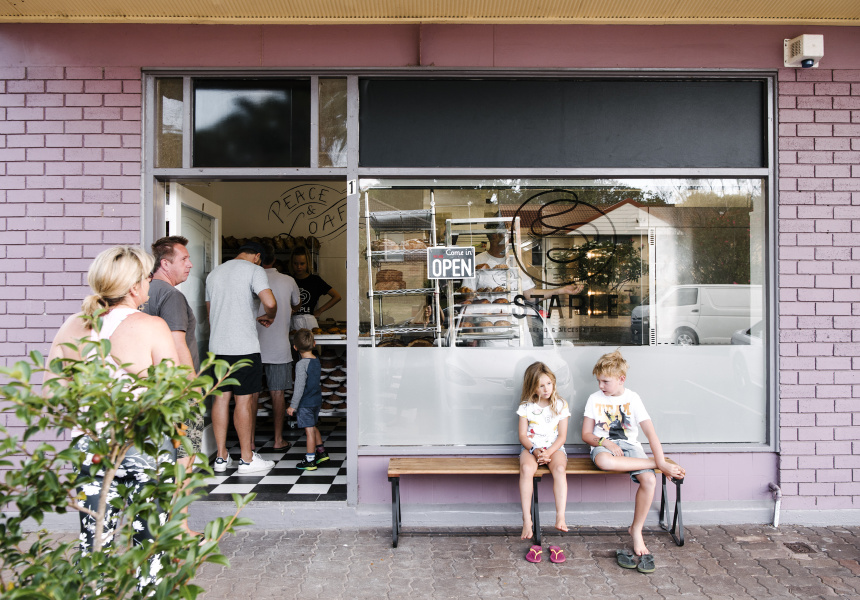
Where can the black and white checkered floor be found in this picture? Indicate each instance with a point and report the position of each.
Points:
(284, 482)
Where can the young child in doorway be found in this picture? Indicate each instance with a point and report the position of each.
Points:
(307, 400)
(543, 424)
(613, 418)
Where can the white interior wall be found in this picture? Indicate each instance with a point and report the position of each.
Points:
(299, 208)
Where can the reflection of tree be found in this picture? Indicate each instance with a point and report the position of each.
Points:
(716, 238)
(258, 134)
(606, 264)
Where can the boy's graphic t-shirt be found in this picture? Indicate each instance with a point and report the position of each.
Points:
(543, 424)
(617, 417)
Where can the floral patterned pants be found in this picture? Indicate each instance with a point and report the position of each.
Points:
(133, 475)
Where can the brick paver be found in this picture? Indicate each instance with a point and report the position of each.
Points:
(717, 562)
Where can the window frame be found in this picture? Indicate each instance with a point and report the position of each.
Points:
(153, 214)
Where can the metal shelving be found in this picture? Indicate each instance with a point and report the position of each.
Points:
(400, 222)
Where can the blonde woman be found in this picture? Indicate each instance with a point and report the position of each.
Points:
(119, 278)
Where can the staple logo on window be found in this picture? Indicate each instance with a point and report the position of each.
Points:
(314, 209)
(450, 262)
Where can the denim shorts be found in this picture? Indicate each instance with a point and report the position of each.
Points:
(632, 450)
(307, 416)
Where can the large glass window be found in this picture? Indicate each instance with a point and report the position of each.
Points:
(671, 270)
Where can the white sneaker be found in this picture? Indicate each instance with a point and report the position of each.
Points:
(263, 412)
(257, 464)
(222, 464)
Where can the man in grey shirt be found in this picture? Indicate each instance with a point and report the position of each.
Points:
(172, 267)
(234, 291)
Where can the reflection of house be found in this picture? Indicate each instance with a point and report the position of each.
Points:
(700, 243)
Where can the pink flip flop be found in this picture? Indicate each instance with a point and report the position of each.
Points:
(534, 553)
(556, 554)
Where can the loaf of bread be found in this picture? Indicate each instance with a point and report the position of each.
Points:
(390, 285)
(378, 245)
(465, 290)
(482, 266)
(503, 323)
(485, 324)
(421, 343)
(415, 244)
(389, 275)
(499, 289)
(501, 267)
(501, 301)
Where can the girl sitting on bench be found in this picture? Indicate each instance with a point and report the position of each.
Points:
(543, 424)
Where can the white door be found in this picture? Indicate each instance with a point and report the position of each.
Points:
(194, 217)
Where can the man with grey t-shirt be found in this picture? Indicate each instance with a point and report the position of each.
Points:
(234, 291)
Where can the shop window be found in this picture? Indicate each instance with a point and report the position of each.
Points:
(671, 271)
(168, 123)
(332, 130)
(251, 123)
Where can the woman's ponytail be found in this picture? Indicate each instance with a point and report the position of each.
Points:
(93, 303)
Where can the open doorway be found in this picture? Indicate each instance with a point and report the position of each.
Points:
(218, 217)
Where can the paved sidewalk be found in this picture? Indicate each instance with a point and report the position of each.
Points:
(717, 562)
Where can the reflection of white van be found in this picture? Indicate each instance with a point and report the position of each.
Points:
(706, 314)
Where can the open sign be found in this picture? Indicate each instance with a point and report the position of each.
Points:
(450, 262)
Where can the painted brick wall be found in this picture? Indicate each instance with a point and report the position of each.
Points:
(819, 280)
(69, 187)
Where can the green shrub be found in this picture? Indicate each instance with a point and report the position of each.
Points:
(41, 480)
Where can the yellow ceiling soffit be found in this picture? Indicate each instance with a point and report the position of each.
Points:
(630, 12)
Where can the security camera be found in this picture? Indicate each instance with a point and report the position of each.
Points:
(803, 51)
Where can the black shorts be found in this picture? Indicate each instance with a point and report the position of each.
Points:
(250, 377)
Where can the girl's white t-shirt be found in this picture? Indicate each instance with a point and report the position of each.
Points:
(543, 423)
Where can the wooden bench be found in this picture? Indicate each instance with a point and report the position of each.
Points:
(510, 465)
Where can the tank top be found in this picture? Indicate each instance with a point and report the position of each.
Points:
(110, 322)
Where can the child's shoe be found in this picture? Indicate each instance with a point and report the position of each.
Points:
(307, 465)
(320, 457)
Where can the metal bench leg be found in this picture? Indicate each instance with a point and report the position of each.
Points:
(536, 511)
(395, 510)
(677, 530)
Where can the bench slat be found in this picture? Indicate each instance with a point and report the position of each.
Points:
(498, 465)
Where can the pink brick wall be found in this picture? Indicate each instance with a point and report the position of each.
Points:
(70, 166)
(819, 271)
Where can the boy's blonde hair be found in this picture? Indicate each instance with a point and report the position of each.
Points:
(303, 340)
(531, 380)
(612, 365)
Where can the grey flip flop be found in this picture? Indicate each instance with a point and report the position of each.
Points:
(625, 559)
(646, 564)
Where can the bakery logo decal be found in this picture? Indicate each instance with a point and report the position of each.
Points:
(587, 256)
(311, 208)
